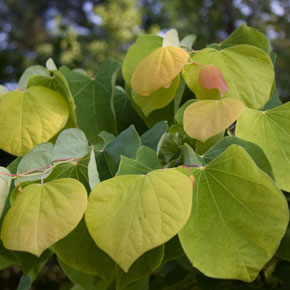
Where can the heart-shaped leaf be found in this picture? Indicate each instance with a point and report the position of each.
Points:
(158, 69)
(270, 130)
(31, 117)
(207, 118)
(43, 214)
(238, 217)
(131, 214)
(5, 181)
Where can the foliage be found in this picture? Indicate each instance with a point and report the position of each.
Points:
(180, 177)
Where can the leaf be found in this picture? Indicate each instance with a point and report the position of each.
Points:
(25, 283)
(38, 157)
(153, 136)
(131, 214)
(252, 149)
(274, 101)
(29, 118)
(201, 148)
(159, 99)
(94, 99)
(171, 38)
(5, 181)
(123, 109)
(270, 131)
(43, 214)
(148, 157)
(180, 112)
(205, 119)
(143, 267)
(86, 281)
(33, 70)
(108, 158)
(233, 231)
(188, 41)
(70, 143)
(79, 251)
(144, 45)
(77, 170)
(284, 249)
(240, 65)
(190, 157)
(158, 69)
(3, 90)
(50, 65)
(93, 173)
(173, 250)
(210, 77)
(56, 81)
(247, 35)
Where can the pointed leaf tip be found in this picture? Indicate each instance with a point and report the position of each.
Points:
(211, 77)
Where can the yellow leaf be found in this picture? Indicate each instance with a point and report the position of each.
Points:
(158, 69)
(31, 117)
(204, 119)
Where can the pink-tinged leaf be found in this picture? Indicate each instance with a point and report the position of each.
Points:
(211, 77)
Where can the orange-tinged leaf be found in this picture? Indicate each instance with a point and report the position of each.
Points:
(204, 119)
(158, 69)
(211, 77)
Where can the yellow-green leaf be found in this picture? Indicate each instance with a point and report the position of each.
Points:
(43, 214)
(31, 117)
(131, 214)
(207, 118)
(5, 181)
(158, 69)
(158, 99)
(270, 130)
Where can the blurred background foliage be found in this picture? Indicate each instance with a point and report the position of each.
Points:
(82, 33)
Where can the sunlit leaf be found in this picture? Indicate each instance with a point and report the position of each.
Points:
(238, 218)
(171, 38)
(43, 214)
(207, 118)
(158, 69)
(29, 118)
(5, 181)
(270, 130)
(131, 214)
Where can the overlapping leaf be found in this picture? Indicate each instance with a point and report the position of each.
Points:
(5, 181)
(131, 214)
(238, 218)
(270, 130)
(43, 214)
(29, 118)
(247, 70)
(207, 118)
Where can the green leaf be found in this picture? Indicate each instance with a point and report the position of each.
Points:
(148, 157)
(5, 181)
(93, 173)
(94, 99)
(3, 90)
(86, 281)
(253, 150)
(43, 214)
(124, 109)
(180, 112)
(205, 119)
(77, 170)
(284, 248)
(201, 147)
(58, 83)
(79, 251)
(70, 143)
(274, 101)
(50, 65)
(142, 268)
(158, 69)
(25, 283)
(270, 131)
(108, 158)
(187, 42)
(144, 45)
(233, 231)
(190, 157)
(240, 65)
(29, 118)
(157, 100)
(38, 157)
(153, 136)
(173, 250)
(247, 35)
(131, 214)
(35, 70)
(171, 38)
